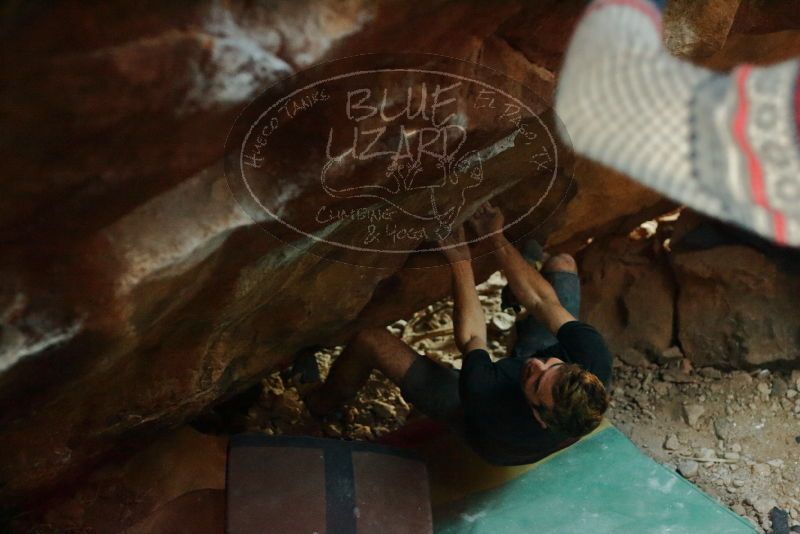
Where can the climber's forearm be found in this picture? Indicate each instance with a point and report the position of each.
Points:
(529, 286)
(469, 324)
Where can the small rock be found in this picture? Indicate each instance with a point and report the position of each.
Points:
(434, 354)
(503, 321)
(257, 413)
(288, 406)
(736, 448)
(400, 323)
(273, 385)
(332, 430)
(790, 394)
(633, 357)
(397, 328)
(423, 345)
(362, 432)
(777, 464)
(686, 366)
(677, 377)
(741, 377)
(738, 508)
(763, 390)
(672, 354)
(710, 372)
(688, 468)
(731, 455)
(384, 410)
(707, 454)
(661, 388)
(761, 470)
(763, 505)
(738, 483)
(692, 413)
(672, 443)
(779, 387)
(723, 427)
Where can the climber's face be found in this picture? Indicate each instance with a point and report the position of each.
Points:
(538, 377)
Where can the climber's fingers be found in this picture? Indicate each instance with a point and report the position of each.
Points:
(455, 236)
(483, 209)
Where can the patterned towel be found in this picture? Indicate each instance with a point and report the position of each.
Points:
(724, 144)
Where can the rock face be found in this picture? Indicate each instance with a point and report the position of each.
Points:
(151, 491)
(628, 294)
(134, 291)
(698, 29)
(737, 307)
(726, 298)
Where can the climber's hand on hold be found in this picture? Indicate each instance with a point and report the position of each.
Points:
(488, 220)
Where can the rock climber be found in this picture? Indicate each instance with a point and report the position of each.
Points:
(550, 390)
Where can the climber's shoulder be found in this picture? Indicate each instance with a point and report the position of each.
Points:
(581, 343)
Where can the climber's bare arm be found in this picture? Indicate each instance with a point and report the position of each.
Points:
(469, 324)
(529, 287)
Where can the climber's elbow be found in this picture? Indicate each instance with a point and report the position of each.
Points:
(468, 343)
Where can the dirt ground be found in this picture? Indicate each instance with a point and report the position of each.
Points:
(736, 435)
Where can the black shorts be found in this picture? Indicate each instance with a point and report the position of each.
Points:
(433, 390)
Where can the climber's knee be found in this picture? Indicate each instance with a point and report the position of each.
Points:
(370, 340)
(384, 351)
(561, 263)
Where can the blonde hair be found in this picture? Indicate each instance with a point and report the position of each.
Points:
(579, 401)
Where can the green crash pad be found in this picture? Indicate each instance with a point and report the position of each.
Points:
(602, 484)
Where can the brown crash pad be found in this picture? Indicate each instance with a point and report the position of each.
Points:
(290, 484)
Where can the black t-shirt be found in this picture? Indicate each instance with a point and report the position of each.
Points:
(499, 423)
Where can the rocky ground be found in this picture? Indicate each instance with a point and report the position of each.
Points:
(735, 434)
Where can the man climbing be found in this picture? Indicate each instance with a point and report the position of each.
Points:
(550, 391)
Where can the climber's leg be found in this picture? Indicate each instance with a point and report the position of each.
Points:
(372, 348)
(562, 273)
(429, 387)
(433, 390)
(724, 144)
